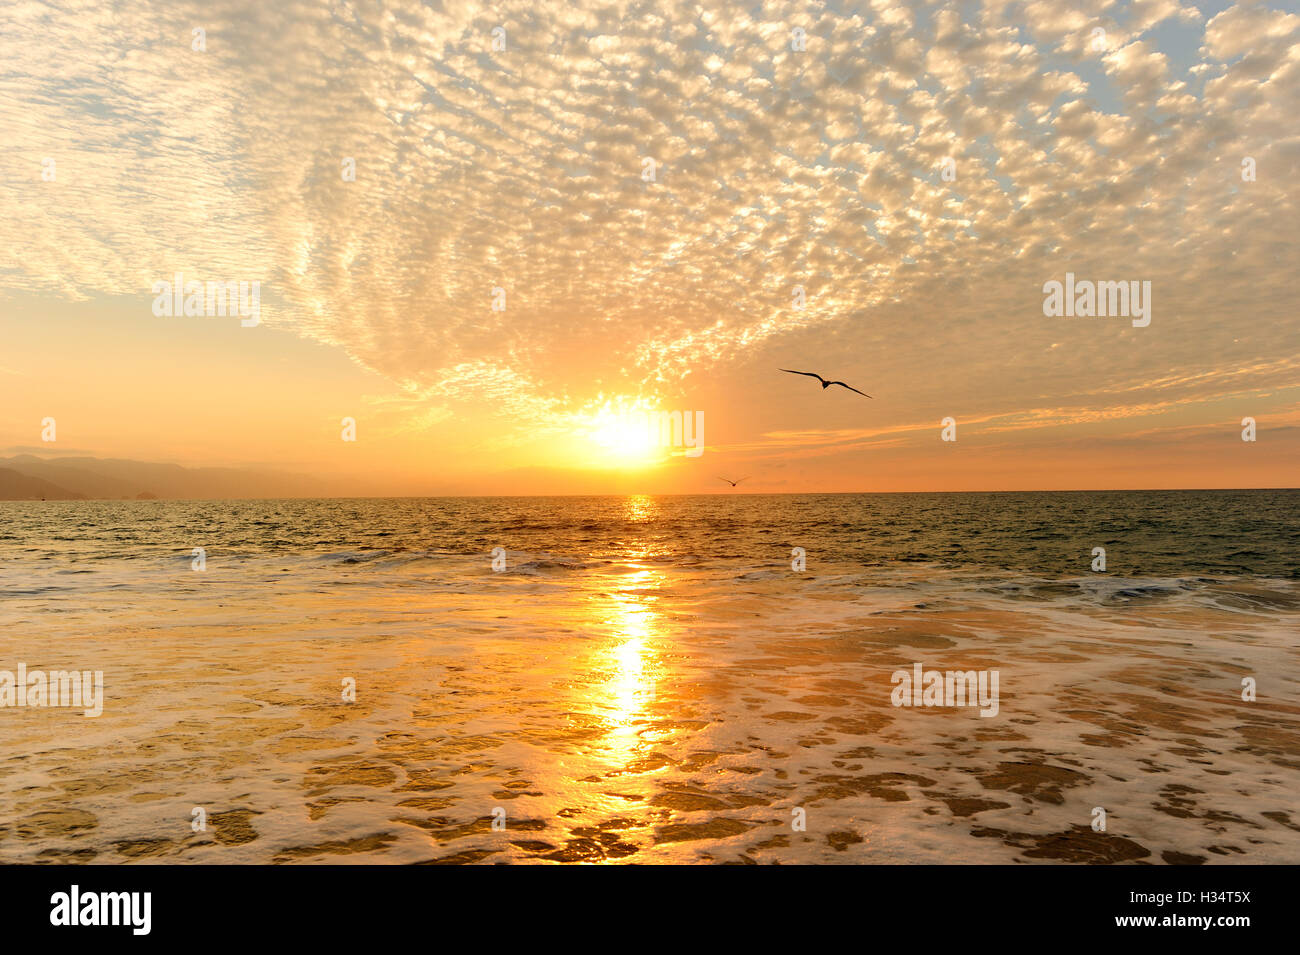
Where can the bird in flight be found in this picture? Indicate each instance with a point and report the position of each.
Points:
(731, 482)
(825, 384)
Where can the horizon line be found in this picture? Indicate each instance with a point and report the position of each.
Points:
(425, 497)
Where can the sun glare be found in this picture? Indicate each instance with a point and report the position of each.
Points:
(621, 434)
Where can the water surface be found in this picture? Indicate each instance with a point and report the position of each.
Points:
(649, 679)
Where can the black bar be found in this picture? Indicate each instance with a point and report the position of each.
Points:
(909, 904)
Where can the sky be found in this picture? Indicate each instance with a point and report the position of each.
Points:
(487, 249)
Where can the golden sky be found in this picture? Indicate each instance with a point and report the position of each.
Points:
(136, 149)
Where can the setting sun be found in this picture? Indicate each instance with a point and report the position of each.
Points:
(623, 435)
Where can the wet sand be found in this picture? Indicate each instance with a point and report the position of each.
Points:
(652, 715)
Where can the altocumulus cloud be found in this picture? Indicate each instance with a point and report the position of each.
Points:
(775, 167)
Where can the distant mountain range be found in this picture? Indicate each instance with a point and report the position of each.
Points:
(26, 477)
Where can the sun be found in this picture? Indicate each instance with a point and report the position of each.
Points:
(618, 430)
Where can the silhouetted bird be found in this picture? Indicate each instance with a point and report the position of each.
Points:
(731, 482)
(825, 384)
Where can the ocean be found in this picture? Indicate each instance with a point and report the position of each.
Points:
(656, 679)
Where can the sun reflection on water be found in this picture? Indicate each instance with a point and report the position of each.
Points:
(637, 637)
(634, 622)
(641, 508)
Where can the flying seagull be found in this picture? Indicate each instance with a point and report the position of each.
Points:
(731, 482)
(825, 384)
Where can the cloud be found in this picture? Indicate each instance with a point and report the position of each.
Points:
(522, 169)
